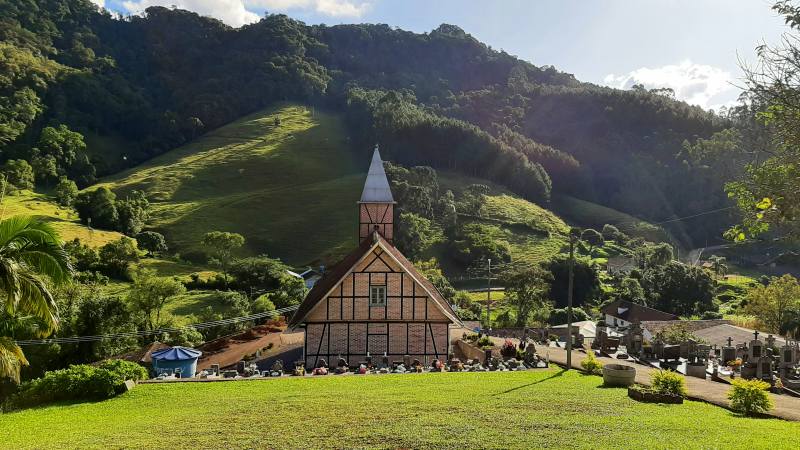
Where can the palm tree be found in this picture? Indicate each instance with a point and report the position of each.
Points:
(718, 265)
(31, 259)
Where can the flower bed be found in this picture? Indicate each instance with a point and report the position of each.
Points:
(646, 395)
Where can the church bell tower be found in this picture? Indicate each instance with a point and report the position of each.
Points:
(376, 207)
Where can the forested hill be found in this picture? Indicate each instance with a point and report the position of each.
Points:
(139, 86)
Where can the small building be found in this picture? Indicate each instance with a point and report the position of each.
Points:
(374, 301)
(182, 360)
(309, 276)
(621, 314)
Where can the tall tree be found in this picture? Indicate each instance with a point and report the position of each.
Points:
(526, 291)
(222, 245)
(776, 305)
(150, 294)
(31, 258)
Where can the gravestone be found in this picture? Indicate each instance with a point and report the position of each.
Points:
(728, 353)
(634, 339)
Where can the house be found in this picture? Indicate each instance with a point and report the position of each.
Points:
(374, 301)
(620, 314)
(309, 276)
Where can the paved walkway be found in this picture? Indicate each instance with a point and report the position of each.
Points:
(785, 407)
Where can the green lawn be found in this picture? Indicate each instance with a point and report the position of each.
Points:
(458, 410)
(290, 190)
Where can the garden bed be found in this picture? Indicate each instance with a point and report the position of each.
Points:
(645, 395)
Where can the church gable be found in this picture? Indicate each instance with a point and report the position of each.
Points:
(349, 300)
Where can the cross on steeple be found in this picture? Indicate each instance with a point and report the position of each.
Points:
(730, 341)
(756, 333)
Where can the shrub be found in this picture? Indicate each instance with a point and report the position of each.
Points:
(749, 397)
(668, 382)
(76, 383)
(125, 369)
(484, 342)
(508, 350)
(591, 364)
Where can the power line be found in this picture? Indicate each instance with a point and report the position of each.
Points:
(197, 326)
(696, 215)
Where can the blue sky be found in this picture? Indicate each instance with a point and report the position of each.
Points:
(693, 46)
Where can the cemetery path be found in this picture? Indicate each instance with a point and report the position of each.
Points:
(713, 392)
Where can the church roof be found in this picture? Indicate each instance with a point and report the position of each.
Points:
(376, 188)
(340, 271)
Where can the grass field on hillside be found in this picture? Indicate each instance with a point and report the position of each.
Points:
(531, 409)
(64, 220)
(289, 189)
(591, 215)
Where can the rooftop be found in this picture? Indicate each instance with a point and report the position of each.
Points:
(376, 188)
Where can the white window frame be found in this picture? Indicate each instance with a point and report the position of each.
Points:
(377, 295)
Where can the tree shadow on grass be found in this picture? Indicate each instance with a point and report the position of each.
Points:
(555, 375)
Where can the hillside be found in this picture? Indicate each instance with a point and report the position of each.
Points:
(64, 220)
(449, 410)
(289, 189)
(440, 98)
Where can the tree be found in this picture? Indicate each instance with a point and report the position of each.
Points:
(222, 245)
(586, 280)
(66, 191)
(630, 290)
(612, 233)
(679, 289)
(473, 198)
(152, 242)
(676, 334)
(559, 316)
(768, 194)
(431, 270)
(117, 256)
(593, 238)
(133, 211)
(45, 168)
(31, 256)
(150, 293)
(415, 234)
(98, 208)
(19, 173)
(718, 265)
(526, 291)
(776, 304)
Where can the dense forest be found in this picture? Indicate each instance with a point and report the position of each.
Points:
(135, 87)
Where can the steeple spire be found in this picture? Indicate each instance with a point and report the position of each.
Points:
(376, 188)
(376, 207)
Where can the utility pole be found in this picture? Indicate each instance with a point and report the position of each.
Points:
(489, 294)
(572, 234)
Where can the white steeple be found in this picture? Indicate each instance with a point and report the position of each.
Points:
(376, 188)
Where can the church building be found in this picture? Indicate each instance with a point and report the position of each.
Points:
(374, 301)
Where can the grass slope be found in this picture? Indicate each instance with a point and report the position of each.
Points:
(454, 410)
(591, 215)
(289, 189)
(64, 220)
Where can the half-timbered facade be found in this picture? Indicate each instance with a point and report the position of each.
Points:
(374, 302)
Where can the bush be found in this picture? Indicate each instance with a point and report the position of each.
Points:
(76, 383)
(667, 382)
(508, 350)
(749, 397)
(591, 364)
(125, 369)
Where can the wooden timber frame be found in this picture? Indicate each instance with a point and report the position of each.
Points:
(413, 321)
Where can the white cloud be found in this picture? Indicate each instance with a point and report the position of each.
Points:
(696, 84)
(231, 12)
(100, 3)
(333, 8)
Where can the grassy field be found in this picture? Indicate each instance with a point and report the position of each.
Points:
(64, 220)
(529, 409)
(591, 215)
(289, 189)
